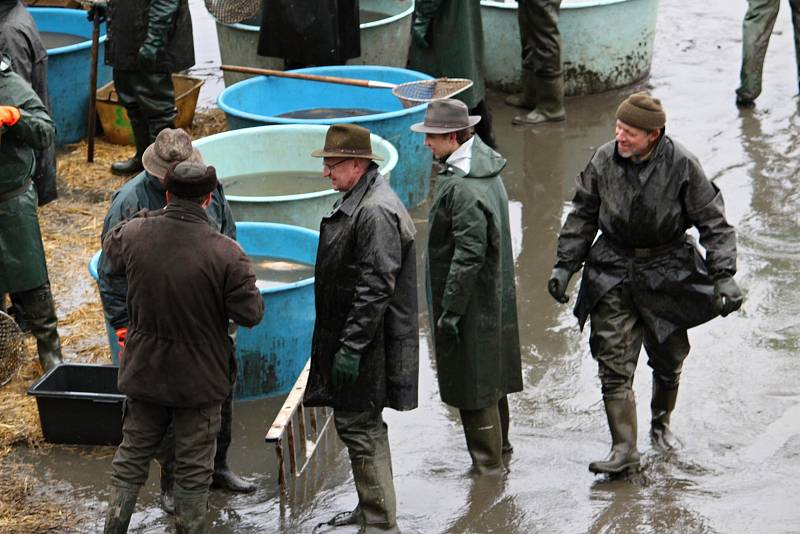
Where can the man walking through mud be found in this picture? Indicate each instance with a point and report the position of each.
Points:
(186, 281)
(644, 280)
(365, 349)
(471, 287)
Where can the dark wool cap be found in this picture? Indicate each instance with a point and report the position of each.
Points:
(642, 111)
(190, 180)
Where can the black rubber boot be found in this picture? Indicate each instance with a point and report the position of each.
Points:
(167, 497)
(661, 406)
(505, 422)
(484, 127)
(483, 432)
(121, 503)
(190, 511)
(40, 314)
(142, 139)
(526, 99)
(549, 103)
(621, 415)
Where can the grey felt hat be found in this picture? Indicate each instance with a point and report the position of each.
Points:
(445, 116)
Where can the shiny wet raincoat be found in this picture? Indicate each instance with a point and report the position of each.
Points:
(471, 273)
(366, 298)
(643, 206)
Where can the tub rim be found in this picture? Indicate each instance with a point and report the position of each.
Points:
(224, 106)
(364, 26)
(393, 157)
(580, 4)
(69, 48)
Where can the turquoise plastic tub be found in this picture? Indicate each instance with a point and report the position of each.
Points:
(259, 101)
(68, 70)
(598, 52)
(286, 148)
(271, 354)
(383, 42)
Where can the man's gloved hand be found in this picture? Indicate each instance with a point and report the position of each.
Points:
(99, 9)
(148, 52)
(345, 367)
(9, 115)
(557, 284)
(727, 295)
(448, 324)
(122, 335)
(419, 32)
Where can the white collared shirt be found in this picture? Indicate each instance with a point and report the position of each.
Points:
(462, 157)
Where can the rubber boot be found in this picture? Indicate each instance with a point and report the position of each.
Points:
(40, 313)
(121, 503)
(190, 511)
(621, 415)
(483, 432)
(526, 99)
(549, 102)
(505, 421)
(376, 497)
(484, 128)
(142, 139)
(167, 497)
(661, 405)
(223, 477)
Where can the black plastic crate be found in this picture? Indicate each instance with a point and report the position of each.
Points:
(80, 404)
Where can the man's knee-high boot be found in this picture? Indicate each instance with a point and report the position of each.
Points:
(621, 415)
(482, 430)
(40, 314)
(121, 503)
(662, 404)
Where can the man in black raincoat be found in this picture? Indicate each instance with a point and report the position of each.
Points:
(147, 41)
(471, 286)
(365, 349)
(644, 280)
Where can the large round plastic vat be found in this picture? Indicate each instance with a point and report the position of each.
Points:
(259, 101)
(383, 42)
(287, 148)
(68, 70)
(272, 353)
(598, 52)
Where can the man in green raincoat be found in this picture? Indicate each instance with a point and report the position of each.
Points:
(25, 127)
(471, 289)
(447, 40)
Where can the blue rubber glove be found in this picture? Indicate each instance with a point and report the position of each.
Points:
(345, 367)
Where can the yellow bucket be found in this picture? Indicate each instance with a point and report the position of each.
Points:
(114, 119)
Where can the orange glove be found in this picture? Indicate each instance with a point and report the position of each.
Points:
(9, 115)
(122, 333)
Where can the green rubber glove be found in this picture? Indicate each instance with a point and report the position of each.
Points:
(345, 367)
(557, 284)
(147, 54)
(447, 325)
(727, 295)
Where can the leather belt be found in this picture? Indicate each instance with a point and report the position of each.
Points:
(8, 195)
(648, 252)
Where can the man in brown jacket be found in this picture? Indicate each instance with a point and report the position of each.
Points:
(185, 282)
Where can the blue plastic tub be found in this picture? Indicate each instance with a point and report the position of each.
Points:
(68, 70)
(290, 147)
(271, 354)
(259, 101)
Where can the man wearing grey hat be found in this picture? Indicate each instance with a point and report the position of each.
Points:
(644, 280)
(365, 349)
(147, 191)
(472, 292)
(186, 281)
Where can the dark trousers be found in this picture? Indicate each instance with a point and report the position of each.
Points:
(540, 37)
(617, 335)
(143, 428)
(148, 97)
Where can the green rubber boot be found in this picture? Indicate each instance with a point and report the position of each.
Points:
(40, 314)
(121, 503)
(190, 511)
(525, 99)
(377, 504)
(621, 415)
(484, 435)
(549, 103)
(505, 422)
(662, 404)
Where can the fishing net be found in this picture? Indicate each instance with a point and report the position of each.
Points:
(233, 11)
(12, 348)
(415, 93)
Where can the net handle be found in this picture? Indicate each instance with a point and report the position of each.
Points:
(372, 84)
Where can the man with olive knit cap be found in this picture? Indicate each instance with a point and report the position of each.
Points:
(644, 279)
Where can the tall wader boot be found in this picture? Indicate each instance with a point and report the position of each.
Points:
(661, 406)
(505, 422)
(121, 503)
(167, 479)
(484, 435)
(40, 314)
(142, 140)
(549, 102)
(621, 415)
(223, 477)
(525, 99)
(191, 508)
(484, 127)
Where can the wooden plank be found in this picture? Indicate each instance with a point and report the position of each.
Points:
(286, 412)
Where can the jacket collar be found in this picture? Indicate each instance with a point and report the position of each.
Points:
(154, 183)
(353, 197)
(185, 210)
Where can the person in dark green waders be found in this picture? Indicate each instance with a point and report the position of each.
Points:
(470, 277)
(644, 279)
(756, 31)
(147, 41)
(25, 127)
(447, 40)
(365, 348)
(146, 191)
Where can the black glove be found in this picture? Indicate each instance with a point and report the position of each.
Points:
(448, 324)
(160, 17)
(345, 367)
(99, 9)
(727, 296)
(557, 284)
(419, 32)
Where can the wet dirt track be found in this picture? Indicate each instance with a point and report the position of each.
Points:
(738, 411)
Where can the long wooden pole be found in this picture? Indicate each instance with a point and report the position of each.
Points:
(313, 77)
(92, 119)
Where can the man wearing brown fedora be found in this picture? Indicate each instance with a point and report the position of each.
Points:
(146, 191)
(644, 280)
(365, 353)
(472, 292)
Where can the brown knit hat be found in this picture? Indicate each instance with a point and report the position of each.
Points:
(190, 180)
(641, 110)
